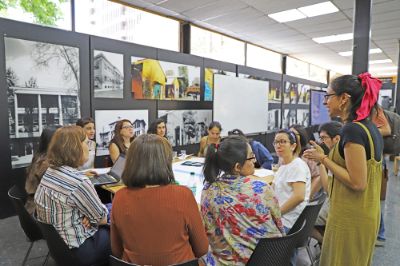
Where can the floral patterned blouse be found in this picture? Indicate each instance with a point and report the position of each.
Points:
(237, 211)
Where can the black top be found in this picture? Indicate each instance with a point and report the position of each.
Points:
(351, 132)
(119, 148)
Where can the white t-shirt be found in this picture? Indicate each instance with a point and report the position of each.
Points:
(296, 171)
(92, 155)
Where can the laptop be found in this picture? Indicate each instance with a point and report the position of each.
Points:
(114, 176)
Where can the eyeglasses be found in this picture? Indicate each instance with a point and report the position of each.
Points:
(280, 142)
(323, 138)
(326, 96)
(251, 158)
(124, 127)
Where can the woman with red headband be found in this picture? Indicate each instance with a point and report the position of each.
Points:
(355, 164)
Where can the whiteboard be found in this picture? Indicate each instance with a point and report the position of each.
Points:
(241, 103)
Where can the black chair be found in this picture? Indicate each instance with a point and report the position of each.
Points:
(58, 249)
(118, 262)
(28, 223)
(309, 214)
(276, 251)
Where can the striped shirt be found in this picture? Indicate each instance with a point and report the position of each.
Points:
(64, 197)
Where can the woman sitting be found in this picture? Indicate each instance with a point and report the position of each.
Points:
(292, 180)
(158, 127)
(153, 221)
(238, 209)
(213, 137)
(37, 167)
(87, 123)
(123, 136)
(67, 199)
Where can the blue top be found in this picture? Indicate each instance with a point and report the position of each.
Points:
(263, 156)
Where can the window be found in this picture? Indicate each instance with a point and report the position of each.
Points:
(297, 68)
(318, 74)
(216, 46)
(263, 59)
(112, 20)
(63, 21)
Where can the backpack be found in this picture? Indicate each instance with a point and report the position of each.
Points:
(391, 144)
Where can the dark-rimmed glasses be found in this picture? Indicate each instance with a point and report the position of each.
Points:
(326, 96)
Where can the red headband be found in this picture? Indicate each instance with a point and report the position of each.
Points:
(371, 86)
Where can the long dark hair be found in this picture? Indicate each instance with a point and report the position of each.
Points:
(304, 138)
(351, 85)
(82, 122)
(153, 126)
(117, 139)
(224, 156)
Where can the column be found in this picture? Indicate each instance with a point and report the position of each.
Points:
(362, 33)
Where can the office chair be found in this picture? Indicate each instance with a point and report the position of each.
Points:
(27, 222)
(276, 251)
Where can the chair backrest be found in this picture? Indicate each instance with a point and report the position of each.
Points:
(309, 214)
(58, 249)
(114, 261)
(28, 223)
(276, 251)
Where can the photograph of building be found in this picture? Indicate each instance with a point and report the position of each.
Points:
(108, 75)
(43, 90)
(289, 118)
(274, 119)
(303, 117)
(105, 124)
(303, 93)
(290, 92)
(185, 126)
(154, 79)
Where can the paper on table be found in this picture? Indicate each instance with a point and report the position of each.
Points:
(99, 171)
(263, 172)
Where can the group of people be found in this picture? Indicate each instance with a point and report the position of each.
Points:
(154, 221)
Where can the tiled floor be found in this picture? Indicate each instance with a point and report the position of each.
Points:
(14, 246)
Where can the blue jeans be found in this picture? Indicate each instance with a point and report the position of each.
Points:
(381, 233)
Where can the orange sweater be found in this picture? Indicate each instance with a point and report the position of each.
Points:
(157, 226)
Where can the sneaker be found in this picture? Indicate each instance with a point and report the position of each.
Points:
(380, 243)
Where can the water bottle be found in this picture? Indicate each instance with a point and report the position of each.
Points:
(192, 183)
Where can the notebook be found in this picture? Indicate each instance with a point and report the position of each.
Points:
(114, 176)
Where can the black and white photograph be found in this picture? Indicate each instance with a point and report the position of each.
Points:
(289, 118)
(290, 93)
(105, 124)
(303, 117)
(108, 73)
(43, 90)
(274, 119)
(185, 126)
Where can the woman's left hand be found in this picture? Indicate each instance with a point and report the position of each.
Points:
(316, 153)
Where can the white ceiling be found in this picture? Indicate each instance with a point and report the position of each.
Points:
(247, 20)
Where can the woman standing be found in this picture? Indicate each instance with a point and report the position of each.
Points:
(87, 123)
(237, 208)
(356, 164)
(123, 136)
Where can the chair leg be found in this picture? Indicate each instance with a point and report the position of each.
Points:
(27, 254)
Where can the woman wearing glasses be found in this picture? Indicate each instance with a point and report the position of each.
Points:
(123, 136)
(237, 208)
(356, 164)
(292, 180)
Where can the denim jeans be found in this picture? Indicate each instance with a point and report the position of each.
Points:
(381, 233)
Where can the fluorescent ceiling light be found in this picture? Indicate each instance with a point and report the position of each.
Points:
(390, 74)
(371, 51)
(304, 12)
(334, 38)
(288, 15)
(318, 9)
(383, 61)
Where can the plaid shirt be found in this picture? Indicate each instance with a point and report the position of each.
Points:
(63, 198)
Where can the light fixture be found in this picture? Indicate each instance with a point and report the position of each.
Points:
(318, 9)
(371, 51)
(334, 38)
(382, 61)
(287, 15)
(389, 74)
(304, 12)
(384, 68)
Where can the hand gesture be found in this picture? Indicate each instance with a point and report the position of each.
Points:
(316, 153)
